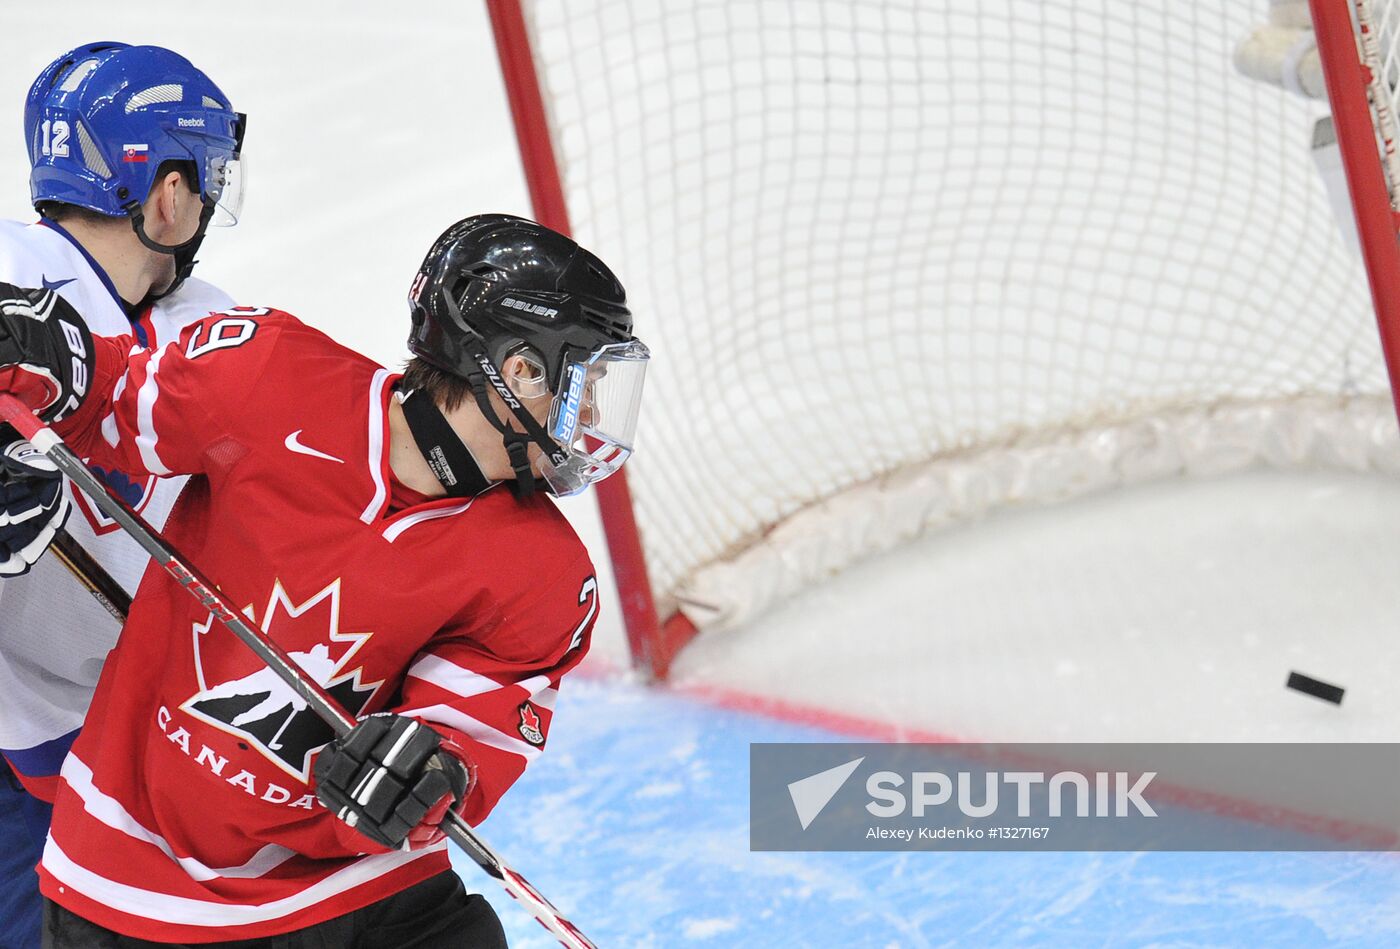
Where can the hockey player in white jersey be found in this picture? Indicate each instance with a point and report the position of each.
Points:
(134, 153)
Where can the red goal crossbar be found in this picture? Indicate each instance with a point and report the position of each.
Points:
(653, 644)
(1378, 225)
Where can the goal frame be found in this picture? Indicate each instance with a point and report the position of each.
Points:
(653, 640)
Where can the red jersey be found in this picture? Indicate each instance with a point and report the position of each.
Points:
(185, 811)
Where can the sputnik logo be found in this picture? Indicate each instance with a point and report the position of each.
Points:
(812, 794)
(260, 708)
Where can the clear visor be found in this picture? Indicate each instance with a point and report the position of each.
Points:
(224, 179)
(594, 417)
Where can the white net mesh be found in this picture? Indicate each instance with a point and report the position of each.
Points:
(900, 261)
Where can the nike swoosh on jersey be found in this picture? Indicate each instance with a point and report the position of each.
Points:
(55, 284)
(294, 445)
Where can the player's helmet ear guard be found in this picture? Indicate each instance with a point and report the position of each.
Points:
(495, 286)
(101, 119)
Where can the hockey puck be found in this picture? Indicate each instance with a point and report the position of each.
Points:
(1318, 690)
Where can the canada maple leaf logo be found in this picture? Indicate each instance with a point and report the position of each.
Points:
(530, 723)
(261, 709)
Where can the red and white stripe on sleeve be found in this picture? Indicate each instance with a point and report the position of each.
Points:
(157, 411)
(499, 709)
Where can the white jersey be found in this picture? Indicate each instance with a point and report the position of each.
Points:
(54, 636)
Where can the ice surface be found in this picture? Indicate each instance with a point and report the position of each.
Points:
(636, 823)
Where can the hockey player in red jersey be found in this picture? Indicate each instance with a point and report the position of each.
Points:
(394, 535)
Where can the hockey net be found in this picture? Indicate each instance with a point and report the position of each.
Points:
(903, 263)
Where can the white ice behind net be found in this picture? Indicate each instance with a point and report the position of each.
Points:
(901, 262)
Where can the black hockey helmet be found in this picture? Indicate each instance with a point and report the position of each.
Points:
(495, 285)
(511, 283)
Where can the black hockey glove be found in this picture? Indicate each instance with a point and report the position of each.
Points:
(46, 356)
(33, 507)
(393, 780)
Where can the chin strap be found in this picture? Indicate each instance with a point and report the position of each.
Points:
(517, 444)
(484, 373)
(450, 459)
(479, 373)
(183, 253)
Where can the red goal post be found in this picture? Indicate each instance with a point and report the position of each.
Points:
(903, 264)
(652, 643)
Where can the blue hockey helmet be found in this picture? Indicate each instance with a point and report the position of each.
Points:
(101, 119)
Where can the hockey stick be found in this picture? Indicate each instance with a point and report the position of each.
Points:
(458, 830)
(91, 575)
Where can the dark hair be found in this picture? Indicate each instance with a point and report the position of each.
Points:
(447, 391)
(60, 212)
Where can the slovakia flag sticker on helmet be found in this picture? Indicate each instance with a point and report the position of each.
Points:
(134, 152)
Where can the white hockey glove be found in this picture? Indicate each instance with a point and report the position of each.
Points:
(393, 779)
(33, 506)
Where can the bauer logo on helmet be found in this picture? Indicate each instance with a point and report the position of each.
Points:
(534, 309)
